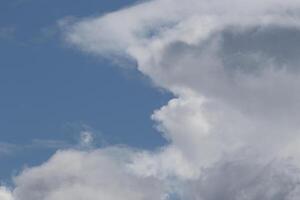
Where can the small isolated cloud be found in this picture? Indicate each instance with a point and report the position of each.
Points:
(233, 124)
(86, 138)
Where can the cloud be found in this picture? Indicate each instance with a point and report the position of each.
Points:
(7, 148)
(48, 144)
(85, 141)
(233, 125)
(86, 138)
(7, 32)
(243, 179)
(5, 194)
(73, 174)
(224, 57)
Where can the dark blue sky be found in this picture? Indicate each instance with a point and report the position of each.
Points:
(49, 91)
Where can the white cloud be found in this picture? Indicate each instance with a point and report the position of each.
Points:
(5, 194)
(234, 119)
(86, 138)
(98, 174)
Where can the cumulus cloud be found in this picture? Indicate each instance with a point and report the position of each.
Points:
(5, 194)
(233, 125)
(74, 174)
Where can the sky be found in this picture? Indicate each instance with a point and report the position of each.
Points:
(150, 100)
(51, 93)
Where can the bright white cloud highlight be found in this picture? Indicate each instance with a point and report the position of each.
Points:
(5, 194)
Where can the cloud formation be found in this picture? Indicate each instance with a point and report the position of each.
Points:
(233, 125)
(5, 194)
(74, 174)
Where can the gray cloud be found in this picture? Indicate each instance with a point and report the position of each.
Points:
(246, 180)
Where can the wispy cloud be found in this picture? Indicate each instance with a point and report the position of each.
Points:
(7, 32)
(7, 148)
(49, 144)
(85, 140)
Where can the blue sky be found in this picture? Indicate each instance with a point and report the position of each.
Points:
(52, 92)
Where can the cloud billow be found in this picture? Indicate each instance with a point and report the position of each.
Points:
(233, 125)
